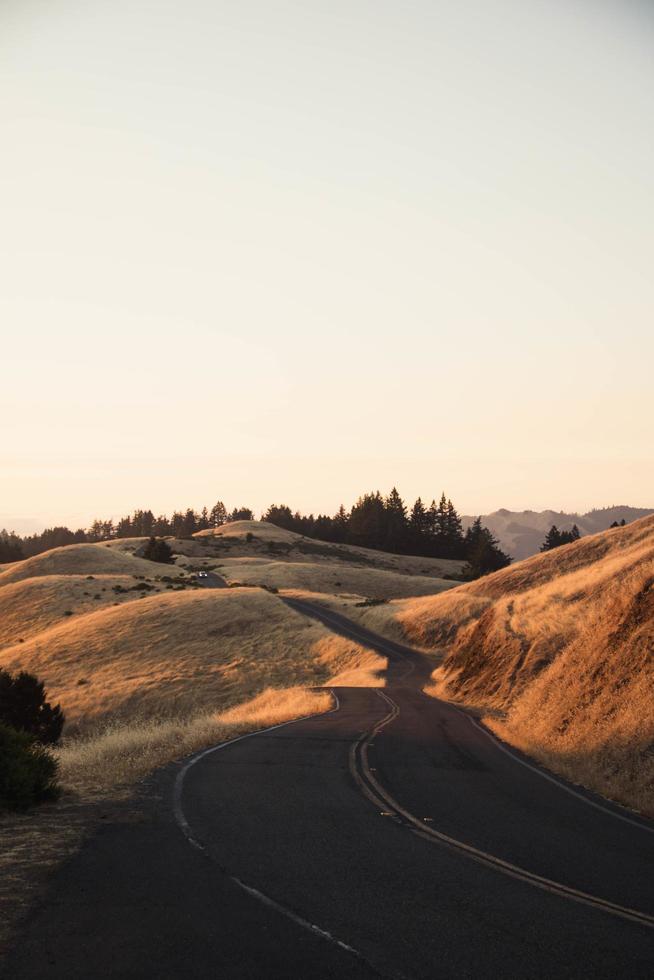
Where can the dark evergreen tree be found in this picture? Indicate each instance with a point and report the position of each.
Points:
(161, 526)
(341, 525)
(158, 550)
(189, 523)
(281, 516)
(454, 533)
(23, 706)
(11, 548)
(367, 521)
(218, 514)
(483, 553)
(177, 523)
(124, 528)
(555, 538)
(419, 528)
(241, 514)
(552, 539)
(395, 523)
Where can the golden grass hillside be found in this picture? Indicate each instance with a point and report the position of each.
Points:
(257, 538)
(178, 654)
(80, 559)
(562, 647)
(30, 606)
(341, 578)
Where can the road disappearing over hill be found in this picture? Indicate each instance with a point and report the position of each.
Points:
(392, 836)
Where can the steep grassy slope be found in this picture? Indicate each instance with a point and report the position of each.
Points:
(561, 647)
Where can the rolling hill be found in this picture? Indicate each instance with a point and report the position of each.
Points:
(147, 665)
(557, 652)
(521, 533)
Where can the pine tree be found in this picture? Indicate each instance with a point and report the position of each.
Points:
(483, 553)
(218, 514)
(455, 540)
(341, 525)
(395, 531)
(419, 528)
(189, 523)
(441, 524)
(367, 521)
(124, 528)
(552, 539)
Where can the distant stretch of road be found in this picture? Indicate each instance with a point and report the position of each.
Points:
(209, 580)
(392, 837)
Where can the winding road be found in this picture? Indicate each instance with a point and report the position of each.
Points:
(391, 837)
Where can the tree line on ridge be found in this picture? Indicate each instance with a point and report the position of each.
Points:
(375, 521)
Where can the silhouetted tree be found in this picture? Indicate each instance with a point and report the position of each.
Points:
(555, 538)
(241, 514)
(11, 548)
(218, 514)
(419, 529)
(23, 706)
(483, 553)
(367, 521)
(158, 550)
(281, 516)
(189, 523)
(395, 523)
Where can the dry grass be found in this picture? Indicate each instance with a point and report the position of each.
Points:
(30, 606)
(231, 539)
(330, 578)
(174, 655)
(109, 762)
(80, 559)
(562, 646)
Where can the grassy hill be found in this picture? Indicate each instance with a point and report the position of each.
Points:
(147, 666)
(558, 651)
(259, 538)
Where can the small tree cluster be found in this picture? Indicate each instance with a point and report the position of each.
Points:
(483, 552)
(158, 550)
(555, 538)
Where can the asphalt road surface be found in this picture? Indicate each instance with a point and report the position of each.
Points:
(391, 837)
(209, 580)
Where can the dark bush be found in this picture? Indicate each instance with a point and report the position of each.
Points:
(158, 550)
(23, 706)
(28, 772)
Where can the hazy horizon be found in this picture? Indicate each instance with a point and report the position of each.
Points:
(31, 525)
(291, 253)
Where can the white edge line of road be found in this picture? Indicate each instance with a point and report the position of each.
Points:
(254, 892)
(553, 779)
(359, 637)
(181, 775)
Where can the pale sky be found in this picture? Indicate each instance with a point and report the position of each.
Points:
(291, 251)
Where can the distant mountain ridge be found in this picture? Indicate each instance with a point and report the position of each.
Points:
(521, 532)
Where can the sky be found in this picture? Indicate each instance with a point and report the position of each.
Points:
(292, 250)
